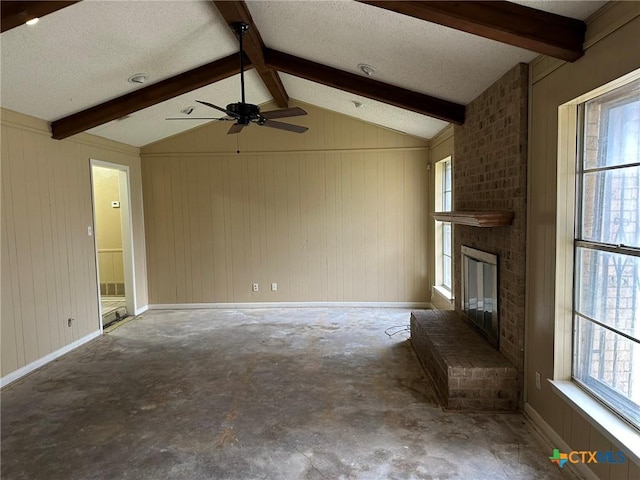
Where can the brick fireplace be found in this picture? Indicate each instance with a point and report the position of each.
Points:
(489, 221)
(490, 174)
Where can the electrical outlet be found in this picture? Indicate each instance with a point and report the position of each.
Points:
(255, 287)
(538, 380)
(274, 287)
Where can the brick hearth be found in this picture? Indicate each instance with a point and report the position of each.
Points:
(468, 374)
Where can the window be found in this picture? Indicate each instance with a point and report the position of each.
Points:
(443, 229)
(606, 314)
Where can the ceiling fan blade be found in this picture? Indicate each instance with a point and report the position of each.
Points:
(235, 128)
(285, 126)
(228, 112)
(284, 112)
(223, 119)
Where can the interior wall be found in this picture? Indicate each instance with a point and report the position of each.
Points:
(440, 147)
(337, 214)
(48, 259)
(612, 38)
(106, 189)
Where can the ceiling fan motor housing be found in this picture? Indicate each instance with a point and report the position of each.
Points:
(246, 112)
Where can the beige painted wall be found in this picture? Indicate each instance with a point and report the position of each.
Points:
(106, 189)
(338, 214)
(441, 147)
(48, 260)
(612, 39)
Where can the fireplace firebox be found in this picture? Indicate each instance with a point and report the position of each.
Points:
(480, 292)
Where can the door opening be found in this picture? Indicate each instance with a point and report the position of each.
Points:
(114, 247)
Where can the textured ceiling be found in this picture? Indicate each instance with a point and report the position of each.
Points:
(370, 110)
(405, 51)
(82, 56)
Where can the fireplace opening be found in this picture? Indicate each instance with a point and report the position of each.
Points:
(480, 292)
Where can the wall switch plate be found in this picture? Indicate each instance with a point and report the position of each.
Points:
(115, 204)
(274, 287)
(255, 287)
(89, 231)
(538, 380)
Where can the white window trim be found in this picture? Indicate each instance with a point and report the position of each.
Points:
(608, 423)
(439, 287)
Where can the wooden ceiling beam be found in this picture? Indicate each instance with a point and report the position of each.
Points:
(511, 23)
(146, 97)
(366, 87)
(237, 11)
(16, 13)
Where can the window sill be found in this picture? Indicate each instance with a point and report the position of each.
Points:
(610, 425)
(443, 292)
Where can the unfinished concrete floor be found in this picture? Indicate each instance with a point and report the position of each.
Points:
(254, 394)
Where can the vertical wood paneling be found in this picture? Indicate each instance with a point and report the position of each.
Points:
(12, 347)
(9, 356)
(37, 250)
(346, 225)
(19, 189)
(48, 260)
(281, 242)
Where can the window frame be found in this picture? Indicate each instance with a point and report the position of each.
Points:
(607, 395)
(568, 214)
(441, 168)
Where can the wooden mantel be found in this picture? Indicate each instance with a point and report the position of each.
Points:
(475, 219)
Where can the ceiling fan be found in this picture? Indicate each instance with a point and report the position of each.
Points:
(245, 113)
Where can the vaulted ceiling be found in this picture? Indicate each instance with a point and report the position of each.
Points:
(430, 59)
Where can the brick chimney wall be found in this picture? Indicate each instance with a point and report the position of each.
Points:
(490, 173)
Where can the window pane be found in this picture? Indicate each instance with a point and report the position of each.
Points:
(608, 289)
(612, 128)
(603, 363)
(606, 356)
(610, 206)
(446, 239)
(447, 176)
(446, 201)
(446, 272)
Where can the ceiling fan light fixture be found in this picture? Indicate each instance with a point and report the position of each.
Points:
(368, 70)
(138, 78)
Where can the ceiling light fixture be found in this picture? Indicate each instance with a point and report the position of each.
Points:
(138, 78)
(32, 21)
(368, 70)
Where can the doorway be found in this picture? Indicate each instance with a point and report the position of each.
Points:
(113, 240)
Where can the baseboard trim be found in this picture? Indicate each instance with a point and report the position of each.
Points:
(141, 310)
(21, 372)
(555, 441)
(195, 306)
